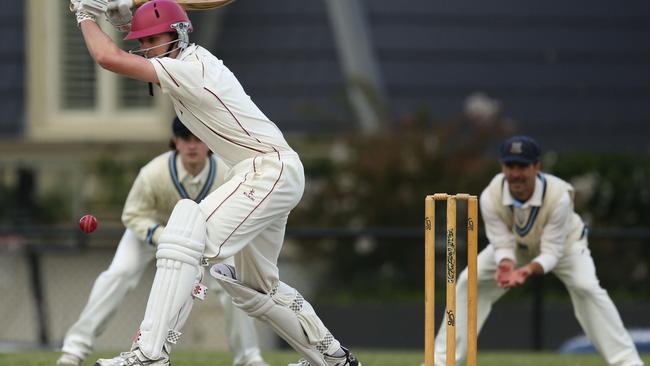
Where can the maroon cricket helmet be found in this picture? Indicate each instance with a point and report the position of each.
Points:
(156, 17)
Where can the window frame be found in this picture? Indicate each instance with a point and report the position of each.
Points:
(48, 120)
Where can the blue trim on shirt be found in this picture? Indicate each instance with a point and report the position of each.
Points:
(523, 231)
(208, 183)
(150, 232)
(543, 179)
(179, 186)
(174, 175)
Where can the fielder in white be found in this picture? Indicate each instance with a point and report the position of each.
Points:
(188, 171)
(533, 230)
(245, 217)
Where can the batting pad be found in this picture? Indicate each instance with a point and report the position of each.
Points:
(178, 268)
(295, 323)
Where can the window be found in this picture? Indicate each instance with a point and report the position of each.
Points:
(78, 77)
(71, 98)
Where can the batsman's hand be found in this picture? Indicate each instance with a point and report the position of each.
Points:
(114, 4)
(88, 9)
(74, 5)
(119, 14)
(91, 7)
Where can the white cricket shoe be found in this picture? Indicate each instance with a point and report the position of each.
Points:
(347, 360)
(134, 358)
(68, 359)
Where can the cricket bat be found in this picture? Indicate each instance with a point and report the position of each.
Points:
(193, 4)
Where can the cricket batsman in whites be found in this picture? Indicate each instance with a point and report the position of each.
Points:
(190, 171)
(245, 217)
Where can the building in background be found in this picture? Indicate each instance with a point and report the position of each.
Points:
(553, 65)
(576, 75)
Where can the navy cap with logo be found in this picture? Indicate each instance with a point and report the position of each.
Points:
(179, 129)
(519, 149)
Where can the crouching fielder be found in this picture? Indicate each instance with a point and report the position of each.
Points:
(529, 219)
(244, 218)
(188, 171)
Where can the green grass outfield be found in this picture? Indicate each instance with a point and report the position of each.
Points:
(367, 357)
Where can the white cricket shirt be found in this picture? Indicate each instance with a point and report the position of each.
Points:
(213, 105)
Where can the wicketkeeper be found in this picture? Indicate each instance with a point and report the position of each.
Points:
(245, 217)
(189, 171)
(533, 230)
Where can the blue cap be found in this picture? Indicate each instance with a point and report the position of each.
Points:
(519, 149)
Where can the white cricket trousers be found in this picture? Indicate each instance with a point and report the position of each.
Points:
(246, 217)
(592, 306)
(131, 259)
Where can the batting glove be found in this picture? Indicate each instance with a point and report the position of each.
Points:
(88, 9)
(115, 4)
(119, 14)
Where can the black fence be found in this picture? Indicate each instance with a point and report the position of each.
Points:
(535, 314)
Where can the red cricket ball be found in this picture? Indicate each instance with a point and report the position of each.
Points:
(88, 224)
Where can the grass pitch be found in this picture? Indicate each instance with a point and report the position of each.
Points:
(367, 357)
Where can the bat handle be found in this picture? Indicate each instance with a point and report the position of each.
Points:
(138, 3)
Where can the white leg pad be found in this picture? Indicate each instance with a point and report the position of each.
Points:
(295, 322)
(178, 268)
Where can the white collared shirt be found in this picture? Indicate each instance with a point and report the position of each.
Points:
(193, 184)
(554, 235)
(210, 101)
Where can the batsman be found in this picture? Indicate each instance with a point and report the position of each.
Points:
(244, 218)
(533, 230)
(189, 171)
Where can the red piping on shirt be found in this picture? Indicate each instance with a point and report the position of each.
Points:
(250, 213)
(170, 75)
(218, 134)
